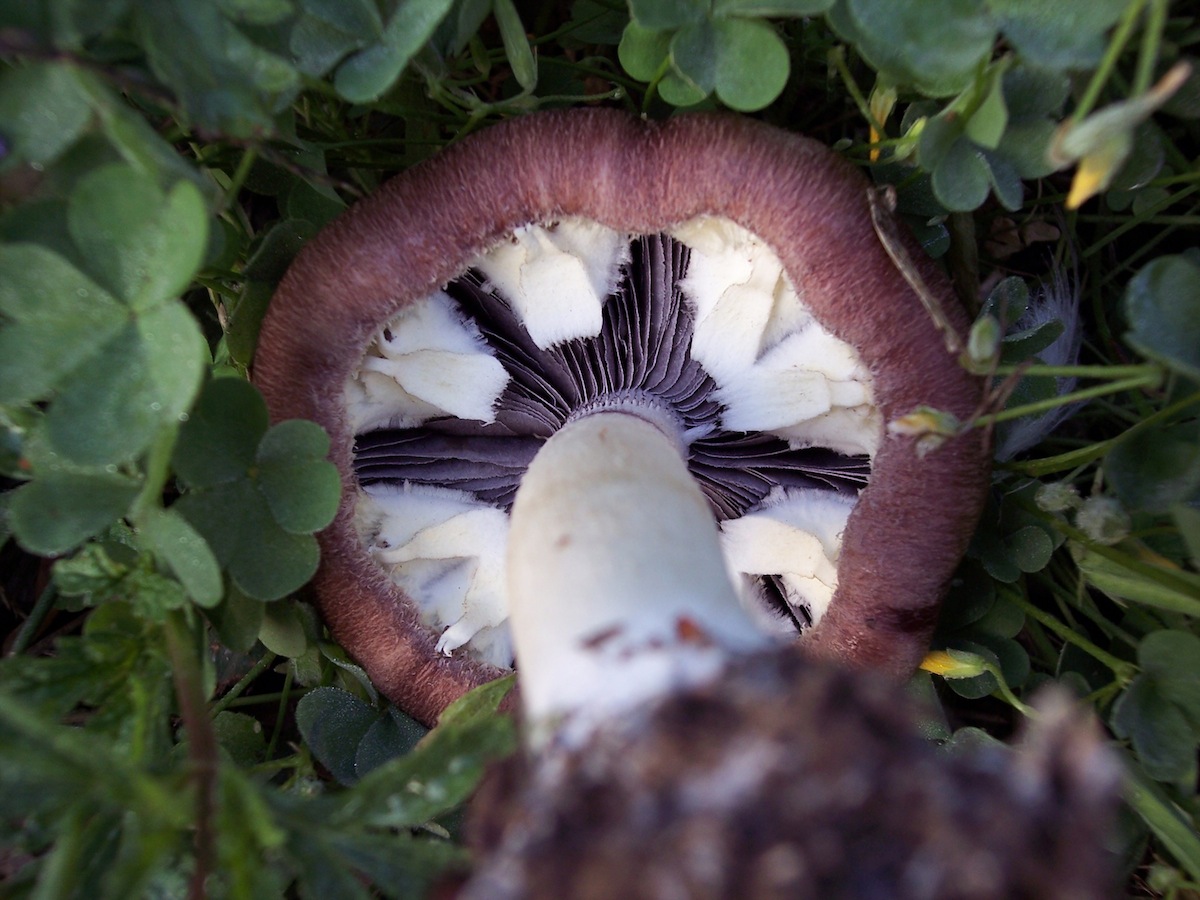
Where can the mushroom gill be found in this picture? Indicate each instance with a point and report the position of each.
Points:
(711, 275)
(521, 367)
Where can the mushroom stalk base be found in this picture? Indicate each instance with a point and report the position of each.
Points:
(618, 589)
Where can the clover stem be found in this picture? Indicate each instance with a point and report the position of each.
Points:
(202, 746)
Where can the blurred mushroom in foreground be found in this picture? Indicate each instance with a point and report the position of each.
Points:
(789, 778)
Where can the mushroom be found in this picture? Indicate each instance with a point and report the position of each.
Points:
(584, 273)
(676, 751)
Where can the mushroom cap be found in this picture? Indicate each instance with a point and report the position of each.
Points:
(910, 525)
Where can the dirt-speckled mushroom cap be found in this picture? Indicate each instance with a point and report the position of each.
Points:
(910, 525)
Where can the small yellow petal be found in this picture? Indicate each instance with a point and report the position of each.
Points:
(882, 101)
(958, 664)
(1094, 174)
(939, 662)
(925, 420)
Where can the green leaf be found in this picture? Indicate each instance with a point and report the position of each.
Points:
(370, 73)
(263, 560)
(659, 15)
(184, 552)
(318, 44)
(1003, 620)
(277, 250)
(1008, 300)
(643, 51)
(312, 203)
(933, 45)
(516, 44)
(974, 654)
(255, 494)
(1168, 822)
(256, 12)
(752, 64)
(353, 17)
(333, 723)
(324, 872)
(1022, 345)
(136, 140)
(276, 564)
(60, 320)
(1129, 582)
(1172, 659)
(1162, 737)
(1031, 548)
(1145, 160)
(987, 124)
(226, 82)
(1058, 34)
(597, 22)
(241, 736)
(972, 595)
(744, 60)
(962, 178)
(219, 441)
(770, 8)
(44, 111)
(1156, 468)
(1005, 181)
(679, 91)
(238, 619)
(96, 569)
(408, 864)
(694, 52)
(939, 135)
(109, 413)
(252, 834)
(143, 246)
(295, 440)
(1187, 520)
(390, 736)
(1162, 305)
(227, 515)
(1033, 93)
(302, 489)
(479, 704)
(282, 630)
(61, 509)
(441, 772)
(245, 322)
(1026, 146)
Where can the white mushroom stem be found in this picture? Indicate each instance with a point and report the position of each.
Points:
(618, 590)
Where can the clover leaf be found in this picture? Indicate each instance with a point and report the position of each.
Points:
(1162, 304)
(695, 49)
(933, 45)
(1160, 710)
(44, 111)
(112, 349)
(63, 507)
(255, 494)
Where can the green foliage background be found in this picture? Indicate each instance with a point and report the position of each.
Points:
(174, 720)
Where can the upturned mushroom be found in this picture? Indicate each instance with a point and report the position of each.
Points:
(707, 295)
(673, 751)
